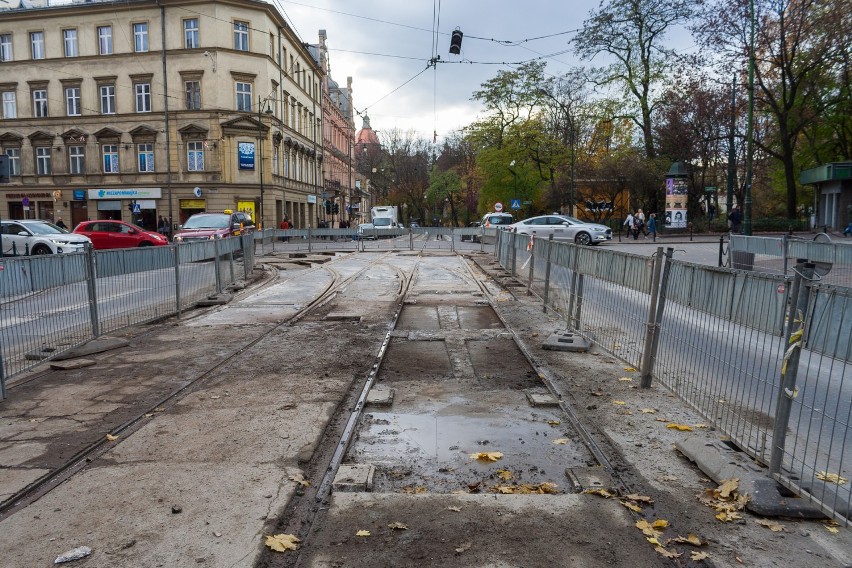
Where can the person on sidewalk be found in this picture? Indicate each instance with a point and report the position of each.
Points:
(652, 226)
(60, 223)
(848, 230)
(735, 219)
(637, 226)
(629, 222)
(642, 227)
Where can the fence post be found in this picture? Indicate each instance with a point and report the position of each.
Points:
(532, 266)
(645, 370)
(2, 377)
(579, 304)
(410, 239)
(784, 250)
(246, 269)
(514, 252)
(572, 292)
(92, 288)
(177, 279)
(547, 272)
(721, 250)
(231, 260)
(790, 365)
(217, 269)
(310, 238)
(453, 239)
(658, 319)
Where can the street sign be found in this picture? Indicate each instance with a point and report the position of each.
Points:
(137, 209)
(527, 202)
(25, 201)
(516, 204)
(710, 189)
(498, 207)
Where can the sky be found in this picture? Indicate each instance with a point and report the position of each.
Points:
(384, 44)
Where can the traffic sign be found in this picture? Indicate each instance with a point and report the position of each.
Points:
(498, 207)
(137, 209)
(516, 204)
(25, 201)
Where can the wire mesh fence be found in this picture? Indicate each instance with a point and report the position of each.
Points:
(719, 339)
(777, 255)
(51, 304)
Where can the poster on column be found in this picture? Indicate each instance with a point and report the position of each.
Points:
(676, 196)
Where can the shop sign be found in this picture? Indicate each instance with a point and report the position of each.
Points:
(312, 198)
(193, 204)
(135, 193)
(79, 195)
(35, 195)
(245, 151)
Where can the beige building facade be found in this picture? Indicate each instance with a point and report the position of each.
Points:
(100, 121)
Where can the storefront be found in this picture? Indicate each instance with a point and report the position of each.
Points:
(189, 207)
(140, 204)
(31, 205)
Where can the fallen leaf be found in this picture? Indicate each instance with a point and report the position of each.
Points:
(111, 438)
(554, 422)
(648, 529)
(774, 527)
(560, 441)
(505, 489)
(626, 379)
(410, 489)
(738, 559)
(648, 411)
(662, 419)
(300, 479)
(149, 415)
(474, 487)
(699, 425)
(728, 516)
(619, 402)
(505, 474)
(463, 547)
(666, 553)
(832, 530)
(601, 492)
(282, 542)
(653, 540)
(362, 533)
(632, 506)
(161, 409)
(690, 539)
(596, 393)
(679, 427)
(660, 524)
(397, 526)
(454, 509)
(639, 498)
(728, 486)
(486, 456)
(630, 369)
(831, 477)
(698, 556)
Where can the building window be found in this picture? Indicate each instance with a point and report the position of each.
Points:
(193, 95)
(241, 38)
(72, 101)
(76, 159)
(10, 105)
(195, 156)
(275, 162)
(14, 161)
(105, 40)
(107, 99)
(146, 157)
(37, 44)
(69, 38)
(110, 158)
(143, 97)
(190, 33)
(244, 97)
(5, 47)
(140, 37)
(40, 103)
(286, 163)
(43, 160)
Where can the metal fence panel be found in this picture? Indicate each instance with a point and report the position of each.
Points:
(829, 329)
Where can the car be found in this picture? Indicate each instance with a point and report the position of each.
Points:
(499, 220)
(415, 225)
(107, 234)
(563, 227)
(31, 236)
(209, 226)
(366, 231)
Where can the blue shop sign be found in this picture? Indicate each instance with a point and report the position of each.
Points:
(79, 195)
(246, 155)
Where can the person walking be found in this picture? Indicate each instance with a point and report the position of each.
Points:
(163, 226)
(59, 223)
(641, 216)
(652, 226)
(735, 218)
(629, 222)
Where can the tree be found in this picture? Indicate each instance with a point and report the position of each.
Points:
(632, 34)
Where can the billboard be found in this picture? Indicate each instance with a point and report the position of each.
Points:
(245, 151)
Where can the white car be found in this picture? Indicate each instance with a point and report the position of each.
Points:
(39, 237)
(563, 227)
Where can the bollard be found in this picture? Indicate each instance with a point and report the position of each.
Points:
(410, 239)
(547, 271)
(177, 279)
(310, 239)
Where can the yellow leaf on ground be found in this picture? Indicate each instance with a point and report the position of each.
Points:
(560, 441)
(690, 539)
(111, 438)
(454, 509)
(630, 369)
(601, 492)
(362, 533)
(300, 479)
(774, 527)
(619, 402)
(505, 474)
(832, 530)
(463, 547)
(662, 419)
(626, 379)
(632, 506)
(398, 526)
(728, 516)
(282, 542)
(660, 524)
(653, 540)
(727, 487)
(505, 489)
(486, 456)
(639, 498)
(679, 427)
(410, 489)
(667, 553)
(699, 425)
(648, 411)
(698, 556)
(648, 529)
(554, 422)
(831, 477)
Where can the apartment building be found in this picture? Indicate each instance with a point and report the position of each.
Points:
(138, 109)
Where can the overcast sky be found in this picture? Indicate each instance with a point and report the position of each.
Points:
(382, 44)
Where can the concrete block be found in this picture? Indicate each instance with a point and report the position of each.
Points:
(71, 364)
(216, 300)
(342, 316)
(380, 395)
(583, 478)
(542, 399)
(98, 345)
(566, 341)
(39, 354)
(354, 478)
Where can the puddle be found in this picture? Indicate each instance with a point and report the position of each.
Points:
(478, 317)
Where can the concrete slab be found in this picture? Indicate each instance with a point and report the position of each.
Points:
(540, 399)
(566, 341)
(98, 345)
(15, 478)
(380, 395)
(39, 354)
(72, 364)
(720, 462)
(216, 300)
(342, 316)
(354, 478)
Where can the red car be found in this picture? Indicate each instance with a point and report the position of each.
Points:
(118, 234)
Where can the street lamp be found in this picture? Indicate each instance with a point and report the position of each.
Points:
(268, 112)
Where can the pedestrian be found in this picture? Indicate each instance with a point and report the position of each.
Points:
(284, 226)
(848, 230)
(59, 223)
(641, 216)
(163, 226)
(652, 225)
(637, 225)
(629, 222)
(735, 219)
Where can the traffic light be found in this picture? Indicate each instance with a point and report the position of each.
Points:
(327, 206)
(336, 208)
(456, 41)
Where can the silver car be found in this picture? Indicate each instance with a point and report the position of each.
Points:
(563, 227)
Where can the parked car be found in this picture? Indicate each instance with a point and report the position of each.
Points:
(500, 220)
(118, 234)
(563, 227)
(208, 226)
(474, 238)
(366, 231)
(38, 237)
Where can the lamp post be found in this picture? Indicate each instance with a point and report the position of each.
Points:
(260, 111)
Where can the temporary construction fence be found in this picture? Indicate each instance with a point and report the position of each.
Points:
(722, 339)
(777, 255)
(52, 303)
